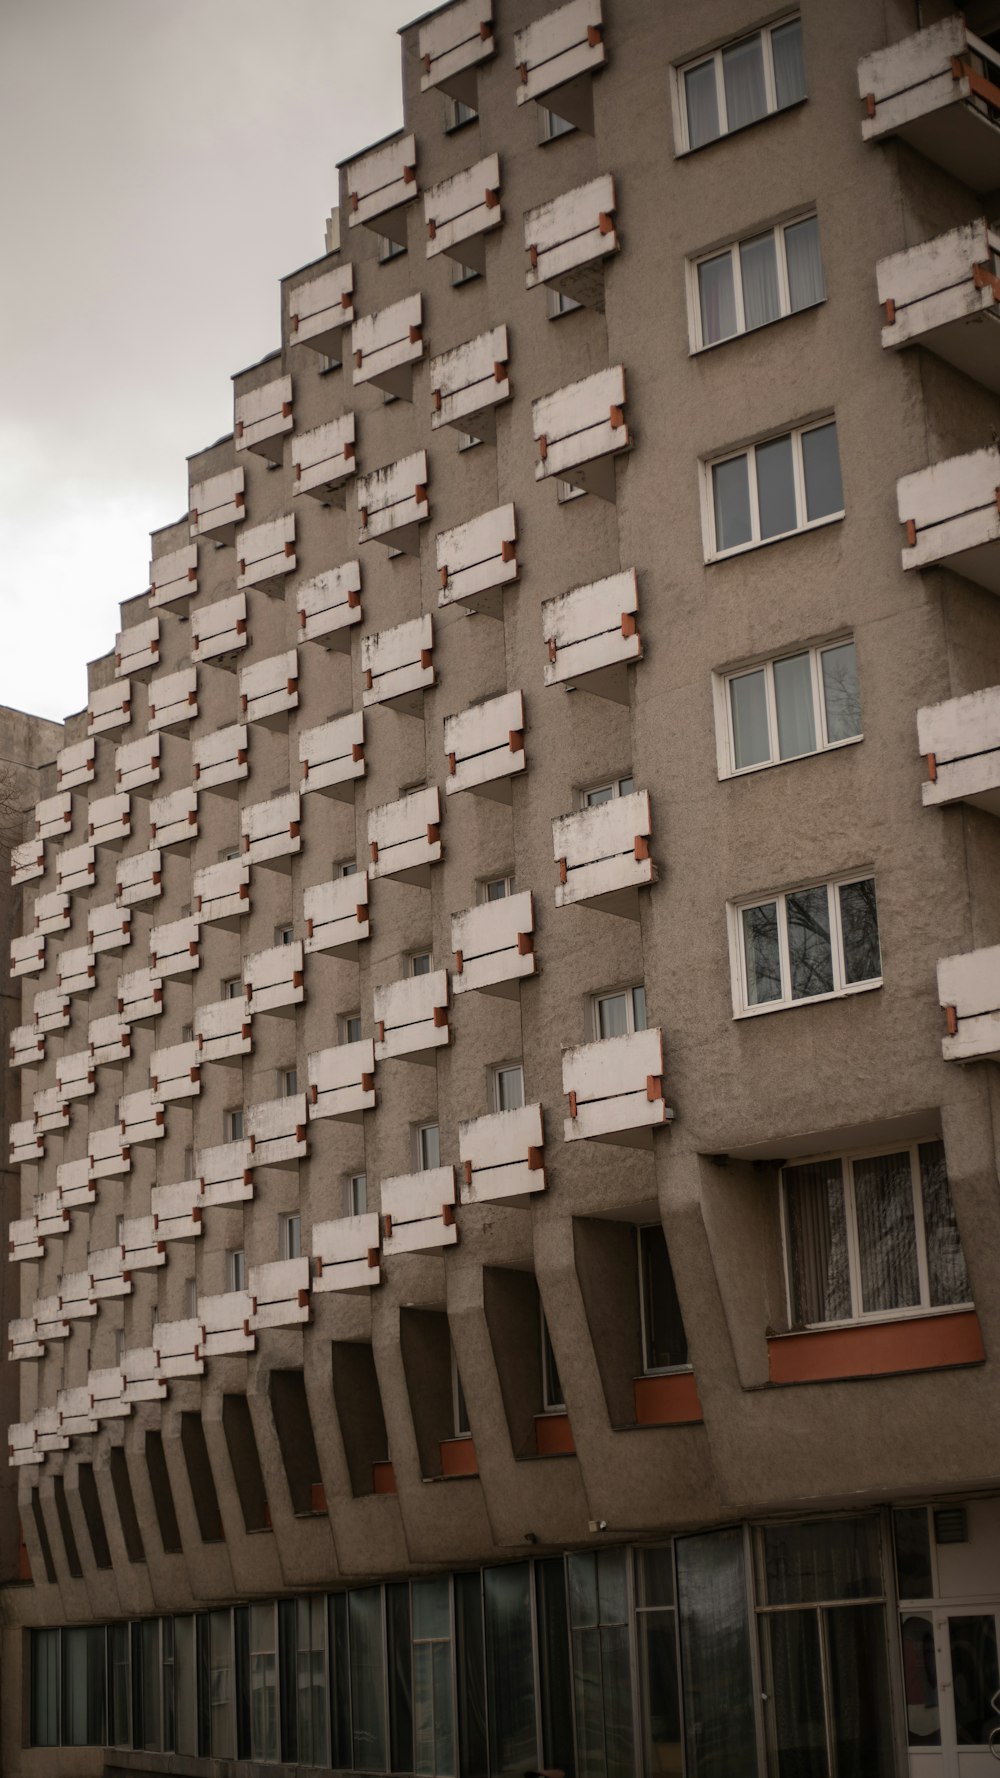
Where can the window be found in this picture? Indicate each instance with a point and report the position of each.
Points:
(553, 1399)
(457, 113)
(558, 303)
(346, 868)
(263, 1683)
(283, 935)
(871, 1235)
(433, 1692)
(786, 708)
(510, 1669)
(355, 1194)
(567, 491)
(656, 1633)
(220, 1641)
(463, 274)
(290, 1236)
(419, 963)
(233, 1124)
(664, 1342)
(190, 1298)
(232, 988)
(761, 279)
(498, 888)
(230, 853)
(428, 1145)
(467, 441)
(119, 1345)
(45, 1687)
(312, 1738)
(459, 1411)
(716, 1663)
(740, 83)
(806, 944)
(236, 1269)
(599, 1641)
(772, 489)
(388, 249)
(551, 125)
(606, 793)
(288, 1083)
(618, 1015)
(508, 1087)
(187, 1033)
(350, 1027)
(188, 1162)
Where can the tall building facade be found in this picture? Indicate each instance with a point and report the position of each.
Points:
(509, 1192)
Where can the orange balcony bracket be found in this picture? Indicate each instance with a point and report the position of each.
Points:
(543, 447)
(507, 552)
(440, 1017)
(870, 104)
(629, 625)
(595, 35)
(452, 767)
(951, 1018)
(373, 1257)
(617, 417)
(654, 1087)
(416, 335)
(437, 401)
(448, 1215)
(522, 73)
(355, 200)
(932, 767)
(374, 851)
(911, 533)
(427, 63)
(984, 279)
(433, 833)
(420, 496)
(890, 311)
(978, 84)
(363, 516)
(515, 740)
(485, 29)
(380, 1031)
(286, 410)
(525, 944)
(563, 872)
(572, 1104)
(459, 963)
(553, 649)
(499, 372)
(387, 1225)
(425, 653)
(444, 577)
(606, 222)
(467, 1172)
(536, 1160)
(491, 198)
(533, 256)
(409, 175)
(641, 847)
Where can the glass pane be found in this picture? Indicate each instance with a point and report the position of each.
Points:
(430, 1147)
(496, 891)
(554, 1665)
(444, 1711)
(859, 927)
(510, 1089)
(701, 100)
(748, 703)
(664, 1340)
(616, 1683)
(887, 1236)
(789, 66)
(185, 1694)
(626, 786)
(612, 1015)
(150, 1643)
(743, 78)
(841, 691)
(612, 1593)
(776, 487)
(949, 1280)
(510, 1669)
(638, 1009)
(400, 1665)
(920, 1684)
(731, 498)
(793, 1690)
(717, 299)
(552, 1389)
(821, 462)
(367, 1713)
(761, 954)
(658, 1679)
(859, 1692)
(817, 1243)
(431, 1608)
(809, 950)
(603, 794)
(911, 1535)
(581, 1570)
(45, 1688)
(83, 1687)
(655, 1577)
(805, 267)
(793, 697)
(821, 1559)
(222, 1737)
(587, 1701)
(974, 1676)
(759, 272)
(715, 1655)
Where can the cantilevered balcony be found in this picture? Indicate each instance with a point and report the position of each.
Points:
(226, 1323)
(173, 699)
(140, 996)
(75, 868)
(109, 1276)
(332, 757)
(961, 741)
(54, 816)
(336, 915)
(51, 1010)
(22, 1445)
(26, 1142)
(398, 665)
(323, 460)
(109, 1041)
(276, 1131)
(462, 211)
(52, 912)
(503, 1155)
(225, 1173)
(969, 991)
(107, 1394)
(280, 1293)
(556, 57)
(27, 1047)
(75, 1301)
(418, 1211)
(263, 417)
(346, 1253)
(330, 606)
(494, 946)
(50, 1109)
(76, 764)
(24, 1240)
(137, 650)
(273, 980)
(220, 760)
(23, 1343)
(218, 506)
(179, 1348)
(141, 1377)
(266, 553)
(342, 1081)
(270, 832)
(951, 514)
(138, 878)
(411, 1018)
(603, 855)
(615, 1089)
(75, 1074)
(142, 1118)
(387, 344)
(945, 295)
(144, 1248)
(177, 1210)
(51, 1215)
(938, 90)
(219, 631)
(220, 894)
(380, 186)
(137, 765)
(470, 382)
(109, 707)
(269, 690)
(27, 954)
(452, 44)
(174, 1072)
(110, 820)
(405, 837)
(173, 579)
(580, 430)
(392, 503)
(222, 1030)
(320, 309)
(76, 970)
(174, 948)
(76, 1414)
(477, 559)
(107, 1156)
(569, 240)
(27, 862)
(173, 819)
(484, 747)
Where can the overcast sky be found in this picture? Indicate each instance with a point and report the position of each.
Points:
(164, 163)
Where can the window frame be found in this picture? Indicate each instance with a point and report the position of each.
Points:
(418, 1145)
(682, 140)
(499, 1069)
(556, 301)
(234, 1123)
(236, 1268)
(286, 1222)
(742, 1008)
(777, 230)
(452, 119)
(629, 994)
(350, 1193)
(546, 133)
(488, 883)
(648, 1369)
(548, 1351)
(587, 791)
(344, 1023)
(725, 734)
(749, 450)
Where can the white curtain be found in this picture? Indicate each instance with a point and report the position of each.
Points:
(717, 299)
(759, 269)
(702, 104)
(743, 76)
(793, 696)
(789, 66)
(806, 284)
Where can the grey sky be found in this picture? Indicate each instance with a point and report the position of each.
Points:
(165, 162)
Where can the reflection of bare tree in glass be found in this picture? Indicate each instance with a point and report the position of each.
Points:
(808, 916)
(859, 922)
(763, 961)
(841, 692)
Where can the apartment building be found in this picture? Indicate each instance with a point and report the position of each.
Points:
(509, 1116)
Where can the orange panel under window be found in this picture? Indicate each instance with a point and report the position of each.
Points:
(458, 1457)
(667, 1401)
(24, 1563)
(317, 1497)
(877, 1349)
(383, 1478)
(553, 1435)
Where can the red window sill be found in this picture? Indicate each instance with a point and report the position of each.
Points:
(876, 1349)
(667, 1401)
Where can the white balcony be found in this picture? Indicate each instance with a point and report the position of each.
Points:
(580, 430)
(142, 1118)
(141, 1376)
(502, 1155)
(24, 1240)
(615, 1090)
(273, 980)
(380, 186)
(219, 631)
(27, 862)
(51, 1215)
(969, 991)
(54, 816)
(26, 1143)
(218, 506)
(50, 1010)
(270, 831)
(22, 1445)
(951, 513)
(23, 1343)
(569, 239)
(27, 954)
(280, 1292)
(392, 503)
(174, 1073)
(144, 1247)
(945, 295)
(320, 310)
(398, 665)
(346, 1253)
(418, 1211)
(109, 1040)
(107, 1155)
(220, 760)
(138, 878)
(336, 915)
(452, 45)
(556, 57)
(179, 1348)
(76, 1415)
(477, 559)
(330, 606)
(263, 417)
(342, 1081)
(140, 997)
(276, 1130)
(177, 1210)
(411, 1018)
(387, 344)
(173, 819)
(266, 553)
(109, 707)
(137, 650)
(110, 820)
(75, 1301)
(173, 699)
(76, 764)
(76, 1189)
(75, 868)
(48, 1433)
(484, 747)
(603, 855)
(107, 1394)
(940, 91)
(137, 764)
(226, 1323)
(174, 948)
(173, 579)
(333, 756)
(324, 460)
(220, 894)
(50, 1109)
(224, 1173)
(77, 970)
(108, 1276)
(75, 1074)
(470, 382)
(462, 211)
(405, 837)
(223, 1031)
(52, 912)
(961, 742)
(27, 1047)
(270, 689)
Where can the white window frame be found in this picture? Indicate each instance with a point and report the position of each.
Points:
(566, 491)
(463, 274)
(861, 1317)
(286, 1224)
(629, 994)
(489, 883)
(495, 1090)
(558, 303)
(419, 1131)
(777, 229)
(679, 90)
(344, 1022)
(347, 867)
(467, 441)
(453, 120)
(545, 1341)
(236, 1268)
(742, 1009)
(288, 1082)
(652, 1370)
(355, 1187)
(190, 1291)
(552, 127)
(415, 957)
(232, 987)
(284, 934)
(724, 734)
(749, 451)
(234, 1123)
(615, 785)
(388, 249)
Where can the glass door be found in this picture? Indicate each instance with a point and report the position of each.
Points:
(951, 1683)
